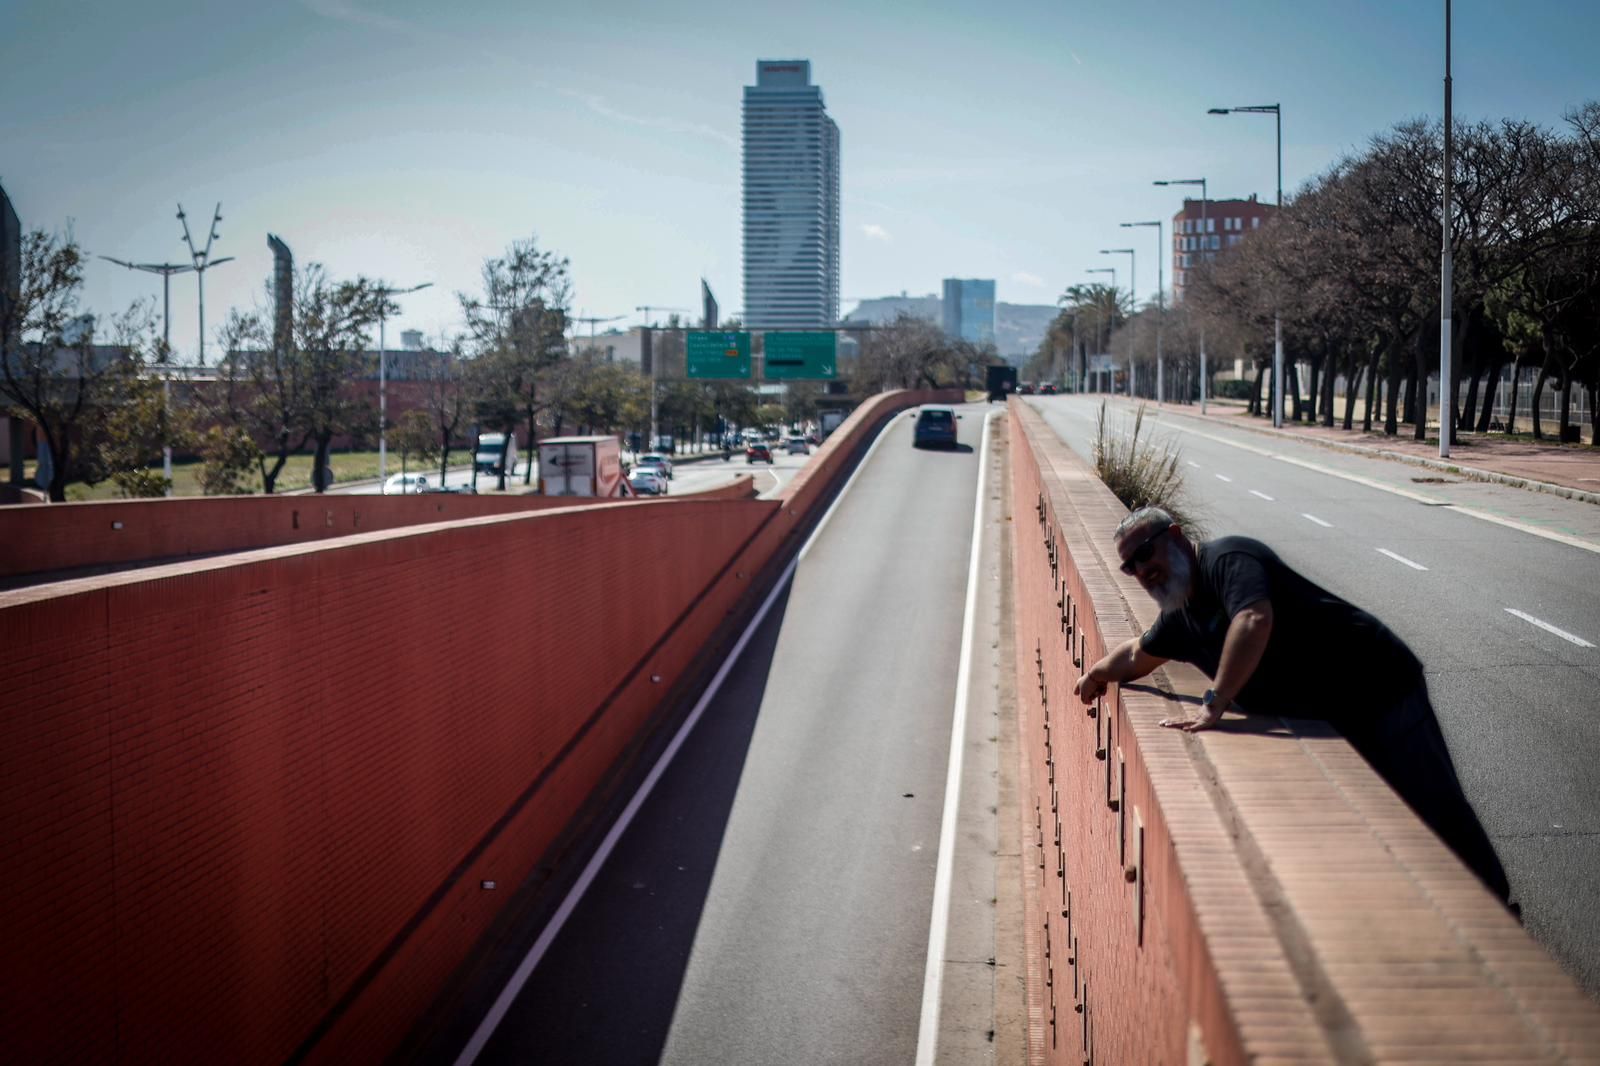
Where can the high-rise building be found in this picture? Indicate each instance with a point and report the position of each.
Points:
(969, 309)
(1196, 239)
(791, 201)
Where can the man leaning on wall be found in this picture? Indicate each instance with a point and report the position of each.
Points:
(1266, 636)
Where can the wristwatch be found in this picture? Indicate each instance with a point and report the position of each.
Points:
(1212, 702)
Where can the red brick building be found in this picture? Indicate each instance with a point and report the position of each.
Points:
(1225, 224)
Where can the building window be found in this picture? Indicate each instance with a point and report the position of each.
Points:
(1211, 225)
(1233, 240)
(1255, 223)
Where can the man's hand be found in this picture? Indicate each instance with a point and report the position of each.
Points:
(1203, 718)
(1090, 687)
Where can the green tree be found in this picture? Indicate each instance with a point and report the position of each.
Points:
(415, 435)
(52, 372)
(228, 453)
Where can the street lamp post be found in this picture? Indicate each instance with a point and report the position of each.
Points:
(1203, 198)
(383, 378)
(1100, 320)
(1447, 392)
(202, 263)
(1276, 111)
(166, 270)
(1133, 291)
(1161, 305)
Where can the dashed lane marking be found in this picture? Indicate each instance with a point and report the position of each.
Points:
(1224, 477)
(1318, 521)
(1548, 628)
(1263, 495)
(1400, 559)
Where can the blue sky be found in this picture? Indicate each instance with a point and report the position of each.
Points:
(408, 140)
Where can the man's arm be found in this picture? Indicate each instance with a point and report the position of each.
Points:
(1126, 662)
(1242, 649)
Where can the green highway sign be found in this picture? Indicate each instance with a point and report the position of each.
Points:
(798, 356)
(717, 353)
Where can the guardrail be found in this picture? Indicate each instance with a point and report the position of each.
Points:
(1230, 897)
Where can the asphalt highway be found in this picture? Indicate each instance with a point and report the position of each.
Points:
(771, 900)
(1504, 619)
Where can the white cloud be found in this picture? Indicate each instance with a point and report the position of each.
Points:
(599, 106)
(875, 231)
(1022, 277)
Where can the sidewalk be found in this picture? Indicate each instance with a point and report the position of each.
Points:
(1570, 470)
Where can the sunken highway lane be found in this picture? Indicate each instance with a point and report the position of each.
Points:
(1504, 619)
(770, 900)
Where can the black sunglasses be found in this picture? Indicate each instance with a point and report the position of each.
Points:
(1142, 553)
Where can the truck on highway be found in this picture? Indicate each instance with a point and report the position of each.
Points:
(581, 466)
(1001, 382)
(828, 421)
(487, 456)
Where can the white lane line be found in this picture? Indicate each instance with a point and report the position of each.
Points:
(1263, 495)
(1196, 465)
(944, 874)
(1548, 628)
(1318, 521)
(1225, 477)
(508, 995)
(1400, 558)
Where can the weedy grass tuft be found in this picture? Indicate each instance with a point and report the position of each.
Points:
(1142, 473)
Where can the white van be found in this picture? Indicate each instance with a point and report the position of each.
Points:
(486, 456)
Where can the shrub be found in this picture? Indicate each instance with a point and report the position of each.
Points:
(1234, 389)
(1142, 473)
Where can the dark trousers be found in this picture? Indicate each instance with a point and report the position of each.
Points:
(1404, 745)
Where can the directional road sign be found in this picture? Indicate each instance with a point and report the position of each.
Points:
(811, 355)
(716, 354)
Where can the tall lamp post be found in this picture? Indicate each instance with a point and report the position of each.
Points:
(203, 262)
(1447, 392)
(1203, 199)
(166, 270)
(383, 379)
(1276, 111)
(1161, 304)
(1133, 298)
(1111, 385)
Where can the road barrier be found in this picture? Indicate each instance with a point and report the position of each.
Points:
(262, 806)
(1241, 895)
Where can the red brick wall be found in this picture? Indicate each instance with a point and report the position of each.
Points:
(50, 537)
(1293, 908)
(247, 802)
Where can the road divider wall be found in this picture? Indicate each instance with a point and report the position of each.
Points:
(1253, 893)
(260, 807)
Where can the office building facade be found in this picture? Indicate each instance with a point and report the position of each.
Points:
(1196, 239)
(791, 201)
(969, 309)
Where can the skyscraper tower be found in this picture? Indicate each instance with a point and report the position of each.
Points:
(791, 201)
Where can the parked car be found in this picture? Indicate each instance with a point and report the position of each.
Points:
(658, 461)
(935, 426)
(1047, 389)
(798, 446)
(758, 452)
(646, 481)
(405, 484)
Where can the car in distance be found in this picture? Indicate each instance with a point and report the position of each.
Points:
(758, 452)
(798, 446)
(405, 484)
(661, 463)
(935, 426)
(1025, 389)
(1047, 389)
(646, 481)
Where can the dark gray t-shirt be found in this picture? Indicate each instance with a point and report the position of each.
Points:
(1326, 658)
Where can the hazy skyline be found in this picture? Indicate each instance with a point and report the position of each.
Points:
(408, 141)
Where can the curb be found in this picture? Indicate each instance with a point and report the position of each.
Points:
(1471, 472)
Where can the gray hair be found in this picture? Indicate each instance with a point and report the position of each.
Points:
(1145, 518)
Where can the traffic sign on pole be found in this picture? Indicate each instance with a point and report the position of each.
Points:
(800, 356)
(718, 354)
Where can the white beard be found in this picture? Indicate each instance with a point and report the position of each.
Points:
(1173, 593)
